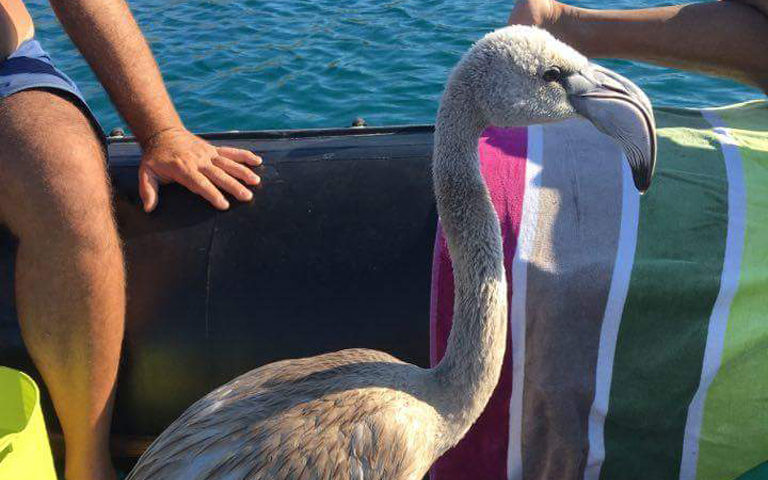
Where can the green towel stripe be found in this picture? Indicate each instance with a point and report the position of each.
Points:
(734, 436)
(673, 286)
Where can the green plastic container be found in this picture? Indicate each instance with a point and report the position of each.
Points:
(24, 449)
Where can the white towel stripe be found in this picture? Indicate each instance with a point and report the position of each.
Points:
(525, 246)
(729, 284)
(614, 309)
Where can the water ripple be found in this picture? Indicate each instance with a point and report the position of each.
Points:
(264, 64)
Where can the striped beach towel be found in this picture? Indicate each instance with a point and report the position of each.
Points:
(638, 339)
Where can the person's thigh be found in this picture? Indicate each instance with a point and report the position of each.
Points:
(53, 179)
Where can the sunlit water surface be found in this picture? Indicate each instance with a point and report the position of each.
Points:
(274, 64)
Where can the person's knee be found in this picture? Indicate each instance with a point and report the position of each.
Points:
(72, 207)
(53, 181)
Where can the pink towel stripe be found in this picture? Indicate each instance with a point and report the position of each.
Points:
(483, 452)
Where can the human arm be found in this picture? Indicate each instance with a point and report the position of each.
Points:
(15, 26)
(720, 38)
(112, 43)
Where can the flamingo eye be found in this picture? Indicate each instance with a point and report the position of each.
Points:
(552, 74)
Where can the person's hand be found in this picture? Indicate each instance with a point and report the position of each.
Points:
(179, 156)
(541, 13)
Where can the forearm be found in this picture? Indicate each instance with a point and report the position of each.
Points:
(723, 38)
(112, 43)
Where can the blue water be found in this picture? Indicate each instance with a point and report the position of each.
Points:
(272, 64)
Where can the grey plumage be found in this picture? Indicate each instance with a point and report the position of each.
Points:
(361, 414)
(328, 416)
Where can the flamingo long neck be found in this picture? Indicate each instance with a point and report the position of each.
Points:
(470, 369)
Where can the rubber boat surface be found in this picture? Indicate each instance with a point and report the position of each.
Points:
(647, 313)
(334, 252)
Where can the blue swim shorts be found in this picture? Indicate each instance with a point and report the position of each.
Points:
(30, 67)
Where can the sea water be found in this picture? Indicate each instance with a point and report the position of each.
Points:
(279, 64)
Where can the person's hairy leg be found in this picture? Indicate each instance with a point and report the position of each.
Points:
(721, 38)
(55, 197)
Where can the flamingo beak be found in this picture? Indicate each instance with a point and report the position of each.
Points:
(618, 108)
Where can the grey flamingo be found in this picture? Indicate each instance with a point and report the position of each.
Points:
(362, 414)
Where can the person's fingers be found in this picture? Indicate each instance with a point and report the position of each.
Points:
(240, 156)
(227, 183)
(237, 170)
(197, 183)
(149, 191)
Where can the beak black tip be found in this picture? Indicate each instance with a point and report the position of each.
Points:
(642, 184)
(642, 169)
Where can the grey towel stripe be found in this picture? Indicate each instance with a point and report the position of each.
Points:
(569, 279)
